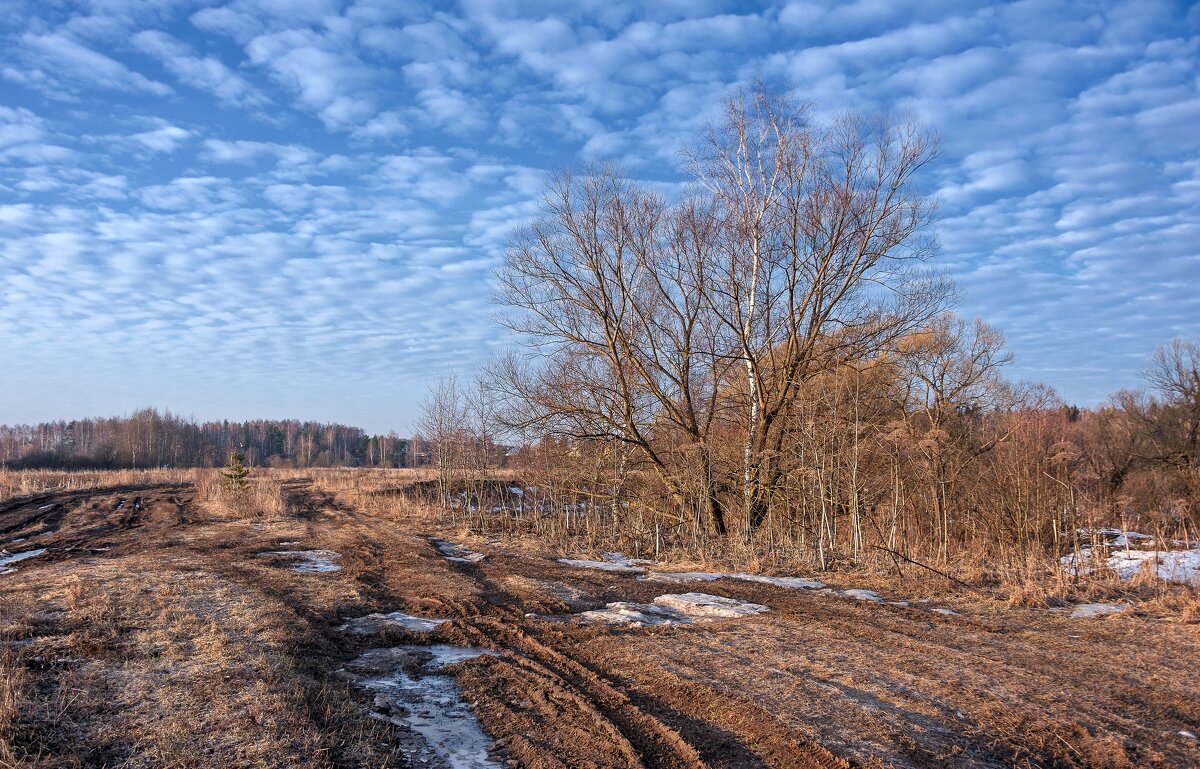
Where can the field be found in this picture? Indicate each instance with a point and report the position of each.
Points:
(161, 628)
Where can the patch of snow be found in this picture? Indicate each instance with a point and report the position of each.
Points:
(374, 623)
(44, 508)
(1172, 565)
(673, 609)
(947, 612)
(7, 558)
(622, 558)
(799, 583)
(457, 553)
(1097, 609)
(516, 491)
(703, 605)
(602, 565)
(310, 561)
(682, 576)
(429, 703)
(1188, 735)
(862, 595)
(625, 613)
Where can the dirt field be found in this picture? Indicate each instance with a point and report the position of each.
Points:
(154, 633)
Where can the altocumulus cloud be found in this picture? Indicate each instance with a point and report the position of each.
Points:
(271, 207)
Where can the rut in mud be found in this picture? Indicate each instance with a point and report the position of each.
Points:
(210, 641)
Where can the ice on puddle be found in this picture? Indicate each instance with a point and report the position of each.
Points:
(7, 558)
(673, 609)
(457, 553)
(310, 561)
(429, 704)
(1097, 609)
(374, 623)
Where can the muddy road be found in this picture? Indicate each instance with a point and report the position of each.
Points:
(152, 632)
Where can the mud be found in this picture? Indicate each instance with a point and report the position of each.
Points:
(819, 680)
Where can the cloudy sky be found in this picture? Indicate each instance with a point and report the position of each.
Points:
(293, 207)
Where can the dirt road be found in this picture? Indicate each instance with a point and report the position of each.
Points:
(154, 633)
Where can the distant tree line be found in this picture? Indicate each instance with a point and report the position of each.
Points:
(150, 438)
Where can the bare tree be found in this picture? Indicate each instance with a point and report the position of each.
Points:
(440, 425)
(609, 286)
(819, 253)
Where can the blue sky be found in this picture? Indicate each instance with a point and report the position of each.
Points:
(293, 207)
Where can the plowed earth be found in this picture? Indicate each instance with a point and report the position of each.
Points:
(153, 633)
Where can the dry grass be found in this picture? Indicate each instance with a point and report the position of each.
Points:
(19, 483)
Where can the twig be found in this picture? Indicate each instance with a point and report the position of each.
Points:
(955, 580)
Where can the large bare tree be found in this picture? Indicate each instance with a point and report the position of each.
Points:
(821, 250)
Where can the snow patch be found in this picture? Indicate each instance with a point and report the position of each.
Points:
(947, 612)
(1097, 609)
(457, 553)
(682, 576)
(411, 692)
(799, 583)
(310, 561)
(862, 595)
(375, 623)
(612, 562)
(673, 609)
(7, 558)
(1171, 565)
(602, 565)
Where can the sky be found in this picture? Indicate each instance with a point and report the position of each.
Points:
(294, 208)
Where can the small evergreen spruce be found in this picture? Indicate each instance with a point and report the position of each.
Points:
(235, 473)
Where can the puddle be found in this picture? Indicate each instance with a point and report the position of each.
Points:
(673, 609)
(457, 553)
(410, 692)
(7, 558)
(1084, 610)
(375, 623)
(310, 561)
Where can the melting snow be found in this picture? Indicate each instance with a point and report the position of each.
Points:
(602, 565)
(457, 553)
(673, 609)
(682, 576)
(311, 561)
(430, 704)
(374, 623)
(862, 595)
(6, 558)
(800, 583)
(1097, 609)
(1172, 565)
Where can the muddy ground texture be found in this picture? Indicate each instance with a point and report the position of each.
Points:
(154, 633)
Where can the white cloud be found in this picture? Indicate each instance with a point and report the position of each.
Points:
(205, 73)
(78, 65)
